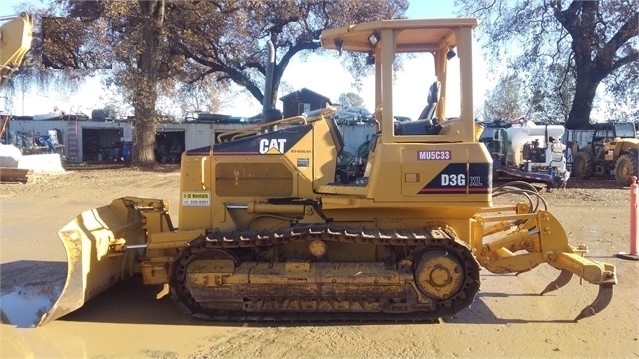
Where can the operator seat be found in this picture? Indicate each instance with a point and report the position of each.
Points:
(426, 123)
(336, 135)
(433, 97)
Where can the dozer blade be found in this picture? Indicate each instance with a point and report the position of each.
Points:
(600, 303)
(96, 260)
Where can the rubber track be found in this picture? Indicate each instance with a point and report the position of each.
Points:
(440, 237)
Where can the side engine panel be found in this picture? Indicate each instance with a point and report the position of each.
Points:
(283, 164)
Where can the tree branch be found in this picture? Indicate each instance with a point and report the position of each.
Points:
(566, 17)
(629, 30)
(625, 60)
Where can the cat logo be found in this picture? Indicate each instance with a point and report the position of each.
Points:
(273, 146)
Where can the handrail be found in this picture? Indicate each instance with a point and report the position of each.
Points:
(255, 129)
(285, 121)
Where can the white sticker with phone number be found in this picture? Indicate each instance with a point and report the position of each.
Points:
(196, 198)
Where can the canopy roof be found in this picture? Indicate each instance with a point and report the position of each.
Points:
(416, 35)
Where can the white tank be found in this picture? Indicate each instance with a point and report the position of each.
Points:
(10, 155)
(518, 135)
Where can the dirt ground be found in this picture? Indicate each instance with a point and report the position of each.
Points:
(507, 319)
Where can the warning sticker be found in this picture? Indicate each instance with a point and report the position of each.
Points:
(196, 198)
(303, 162)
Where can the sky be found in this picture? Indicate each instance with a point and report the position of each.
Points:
(323, 74)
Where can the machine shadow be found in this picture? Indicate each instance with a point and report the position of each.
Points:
(131, 302)
(479, 313)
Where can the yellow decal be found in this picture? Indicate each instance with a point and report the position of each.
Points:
(272, 146)
(273, 151)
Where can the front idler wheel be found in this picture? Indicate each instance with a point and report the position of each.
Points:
(448, 273)
(438, 274)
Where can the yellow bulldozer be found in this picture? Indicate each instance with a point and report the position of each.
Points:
(268, 231)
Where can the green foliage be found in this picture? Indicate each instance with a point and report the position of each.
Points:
(350, 99)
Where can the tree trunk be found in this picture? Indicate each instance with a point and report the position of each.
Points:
(145, 90)
(579, 116)
(143, 100)
(144, 141)
(593, 61)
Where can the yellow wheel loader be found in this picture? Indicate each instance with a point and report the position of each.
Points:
(266, 230)
(613, 150)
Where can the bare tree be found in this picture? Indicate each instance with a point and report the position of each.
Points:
(594, 40)
(154, 45)
(552, 96)
(503, 103)
(126, 37)
(234, 49)
(143, 77)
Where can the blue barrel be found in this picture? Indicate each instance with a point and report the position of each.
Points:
(126, 151)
